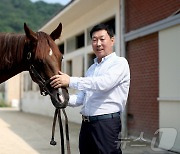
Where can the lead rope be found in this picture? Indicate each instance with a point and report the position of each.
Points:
(61, 131)
(67, 132)
(52, 142)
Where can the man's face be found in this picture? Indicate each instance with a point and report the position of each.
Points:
(102, 44)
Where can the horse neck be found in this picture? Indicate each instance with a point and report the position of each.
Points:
(11, 54)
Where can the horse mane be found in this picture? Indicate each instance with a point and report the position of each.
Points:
(12, 46)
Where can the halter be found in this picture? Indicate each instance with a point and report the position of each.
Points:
(44, 85)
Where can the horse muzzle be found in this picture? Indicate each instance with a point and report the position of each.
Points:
(60, 97)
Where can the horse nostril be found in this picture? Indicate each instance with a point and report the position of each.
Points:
(43, 93)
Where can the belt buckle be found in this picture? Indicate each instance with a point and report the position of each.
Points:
(86, 119)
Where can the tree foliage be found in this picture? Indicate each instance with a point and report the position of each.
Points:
(14, 13)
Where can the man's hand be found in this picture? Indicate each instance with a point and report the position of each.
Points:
(60, 80)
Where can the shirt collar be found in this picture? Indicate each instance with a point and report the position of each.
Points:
(105, 58)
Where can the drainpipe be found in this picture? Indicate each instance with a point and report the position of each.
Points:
(122, 28)
(123, 54)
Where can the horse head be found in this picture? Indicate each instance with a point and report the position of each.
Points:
(44, 60)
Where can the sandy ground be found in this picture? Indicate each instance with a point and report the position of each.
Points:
(25, 133)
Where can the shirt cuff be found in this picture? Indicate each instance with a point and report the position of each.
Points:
(73, 82)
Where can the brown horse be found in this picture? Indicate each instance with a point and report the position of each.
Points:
(36, 53)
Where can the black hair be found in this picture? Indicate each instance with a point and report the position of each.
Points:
(102, 27)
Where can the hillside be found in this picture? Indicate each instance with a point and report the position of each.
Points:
(13, 14)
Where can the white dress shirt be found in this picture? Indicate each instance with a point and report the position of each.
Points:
(105, 87)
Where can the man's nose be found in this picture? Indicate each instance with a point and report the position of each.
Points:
(98, 42)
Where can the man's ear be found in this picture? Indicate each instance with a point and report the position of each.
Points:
(113, 40)
(57, 32)
(30, 35)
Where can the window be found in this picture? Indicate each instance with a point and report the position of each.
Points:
(61, 48)
(88, 36)
(2, 87)
(80, 41)
(69, 67)
(2, 91)
(75, 42)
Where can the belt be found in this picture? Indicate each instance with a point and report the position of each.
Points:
(100, 117)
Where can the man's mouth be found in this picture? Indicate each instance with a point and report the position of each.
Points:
(99, 49)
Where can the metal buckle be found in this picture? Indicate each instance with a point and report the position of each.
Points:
(85, 119)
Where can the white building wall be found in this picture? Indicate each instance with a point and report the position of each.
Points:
(169, 83)
(12, 91)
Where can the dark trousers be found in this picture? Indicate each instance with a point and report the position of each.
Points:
(100, 137)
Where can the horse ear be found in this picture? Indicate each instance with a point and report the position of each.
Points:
(57, 32)
(32, 36)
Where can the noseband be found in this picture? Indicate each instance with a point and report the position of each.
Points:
(44, 85)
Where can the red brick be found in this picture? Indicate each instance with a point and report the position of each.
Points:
(142, 55)
(140, 13)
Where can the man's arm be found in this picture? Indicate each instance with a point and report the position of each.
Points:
(115, 75)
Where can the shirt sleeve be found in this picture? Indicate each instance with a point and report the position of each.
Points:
(116, 74)
(76, 100)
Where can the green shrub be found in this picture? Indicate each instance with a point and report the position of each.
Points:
(3, 104)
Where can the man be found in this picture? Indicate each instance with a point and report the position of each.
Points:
(103, 94)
